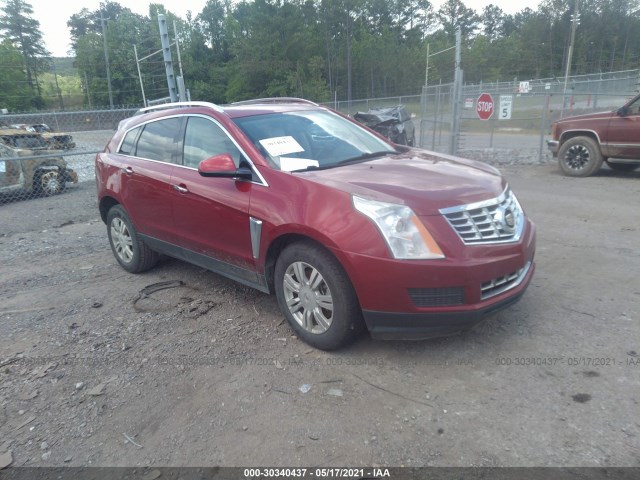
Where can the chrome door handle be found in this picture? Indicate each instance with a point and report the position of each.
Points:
(180, 189)
(127, 170)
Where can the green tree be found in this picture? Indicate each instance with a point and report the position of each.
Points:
(15, 94)
(453, 14)
(24, 31)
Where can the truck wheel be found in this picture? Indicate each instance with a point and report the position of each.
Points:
(316, 296)
(48, 182)
(129, 249)
(580, 157)
(623, 167)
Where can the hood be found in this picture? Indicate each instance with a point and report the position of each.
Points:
(588, 116)
(373, 119)
(422, 180)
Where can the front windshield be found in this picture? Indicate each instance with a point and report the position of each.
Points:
(310, 139)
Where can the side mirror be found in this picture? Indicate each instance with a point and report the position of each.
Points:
(623, 111)
(222, 166)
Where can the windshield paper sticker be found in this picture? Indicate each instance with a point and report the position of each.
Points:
(291, 164)
(278, 146)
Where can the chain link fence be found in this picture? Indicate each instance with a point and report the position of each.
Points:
(522, 114)
(44, 153)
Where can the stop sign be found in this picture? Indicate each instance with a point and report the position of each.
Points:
(484, 106)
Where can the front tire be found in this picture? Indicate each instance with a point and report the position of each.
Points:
(580, 157)
(129, 249)
(316, 296)
(48, 183)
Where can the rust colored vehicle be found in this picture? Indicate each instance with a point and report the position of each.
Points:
(29, 165)
(582, 143)
(346, 228)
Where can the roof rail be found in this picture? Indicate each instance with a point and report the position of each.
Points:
(275, 100)
(164, 106)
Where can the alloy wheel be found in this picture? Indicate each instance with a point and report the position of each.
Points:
(577, 157)
(122, 241)
(308, 297)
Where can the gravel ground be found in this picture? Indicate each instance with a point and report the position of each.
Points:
(97, 370)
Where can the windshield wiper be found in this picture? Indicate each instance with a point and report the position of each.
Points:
(359, 158)
(366, 156)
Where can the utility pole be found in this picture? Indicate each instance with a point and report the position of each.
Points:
(106, 59)
(574, 23)
(457, 91)
(166, 53)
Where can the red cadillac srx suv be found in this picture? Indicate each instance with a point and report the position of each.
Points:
(292, 198)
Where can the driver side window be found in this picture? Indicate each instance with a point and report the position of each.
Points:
(203, 139)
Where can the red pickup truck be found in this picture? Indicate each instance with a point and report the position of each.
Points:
(583, 142)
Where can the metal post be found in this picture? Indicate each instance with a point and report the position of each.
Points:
(106, 59)
(543, 123)
(166, 53)
(181, 87)
(436, 122)
(455, 107)
(569, 55)
(144, 100)
(426, 72)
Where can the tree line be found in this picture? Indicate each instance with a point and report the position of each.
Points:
(317, 49)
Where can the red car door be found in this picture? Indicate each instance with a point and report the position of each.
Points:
(211, 215)
(145, 174)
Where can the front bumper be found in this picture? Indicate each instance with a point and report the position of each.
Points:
(421, 326)
(425, 299)
(554, 146)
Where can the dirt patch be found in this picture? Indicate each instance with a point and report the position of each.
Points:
(96, 369)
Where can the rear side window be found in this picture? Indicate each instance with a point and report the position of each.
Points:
(203, 139)
(159, 140)
(128, 146)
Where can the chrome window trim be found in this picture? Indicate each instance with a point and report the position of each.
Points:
(253, 167)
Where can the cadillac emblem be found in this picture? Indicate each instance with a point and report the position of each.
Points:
(505, 217)
(509, 219)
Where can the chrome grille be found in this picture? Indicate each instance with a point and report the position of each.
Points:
(504, 283)
(492, 221)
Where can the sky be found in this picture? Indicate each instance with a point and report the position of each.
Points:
(53, 16)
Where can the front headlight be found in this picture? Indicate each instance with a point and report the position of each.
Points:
(406, 236)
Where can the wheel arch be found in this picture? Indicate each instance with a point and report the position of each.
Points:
(280, 243)
(569, 134)
(106, 203)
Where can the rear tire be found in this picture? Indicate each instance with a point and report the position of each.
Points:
(580, 157)
(316, 296)
(129, 249)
